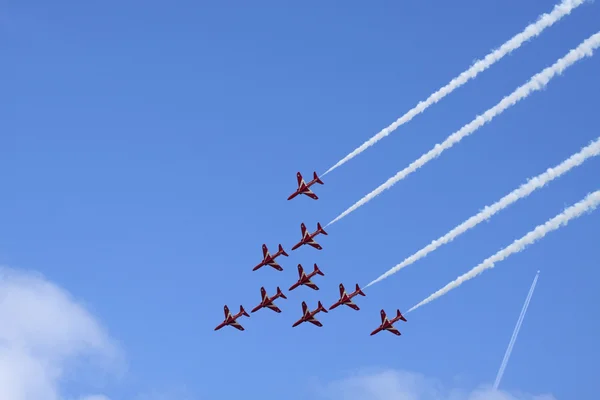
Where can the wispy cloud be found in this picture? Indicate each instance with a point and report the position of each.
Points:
(403, 385)
(42, 330)
(531, 31)
(537, 82)
(179, 392)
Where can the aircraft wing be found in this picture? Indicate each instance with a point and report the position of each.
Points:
(315, 245)
(265, 252)
(315, 322)
(394, 331)
(304, 309)
(311, 285)
(276, 266)
(303, 229)
(301, 273)
(352, 305)
(274, 308)
(310, 194)
(237, 326)
(300, 180)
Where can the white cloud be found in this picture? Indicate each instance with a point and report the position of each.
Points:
(95, 397)
(43, 331)
(173, 393)
(403, 385)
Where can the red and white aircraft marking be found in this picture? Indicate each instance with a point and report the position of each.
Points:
(269, 259)
(388, 325)
(304, 188)
(304, 279)
(346, 299)
(307, 238)
(231, 319)
(309, 316)
(267, 302)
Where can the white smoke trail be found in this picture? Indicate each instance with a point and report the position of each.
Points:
(592, 150)
(588, 204)
(544, 21)
(537, 82)
(513, 338)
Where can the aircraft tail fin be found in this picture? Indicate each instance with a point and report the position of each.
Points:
(280, 293)
(320, 229)
(243, 311)
(318, 271)
(282, 251)
(321, 308)
(359, 291)
(316, 178)
(399, 314)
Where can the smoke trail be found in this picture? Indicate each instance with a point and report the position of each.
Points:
(588, 204)
(537, 82)
(592, 150)
(544, 21)
(513, 338)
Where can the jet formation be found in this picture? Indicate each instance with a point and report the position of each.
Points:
(304, 279)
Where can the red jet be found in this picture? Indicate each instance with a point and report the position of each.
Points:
(307, 238)
(303, 187)
(305, 279)
(309, 316)
(346, 299)
(231, 319)
(269, 259)
(387, 325)
(267, 302)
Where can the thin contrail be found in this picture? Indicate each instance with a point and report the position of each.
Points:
(588, 204)
(535, 29)
(592, 150)
(537, 82)
(513, 338)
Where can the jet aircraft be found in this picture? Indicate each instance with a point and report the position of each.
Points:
(267, 302)
(231, 319)
(304, 188)
(307, 238)
(387, 325)
(304, 279)
(309, 316)
(346, 299)
(269, 259)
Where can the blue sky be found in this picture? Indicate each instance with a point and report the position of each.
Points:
(147, 150)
